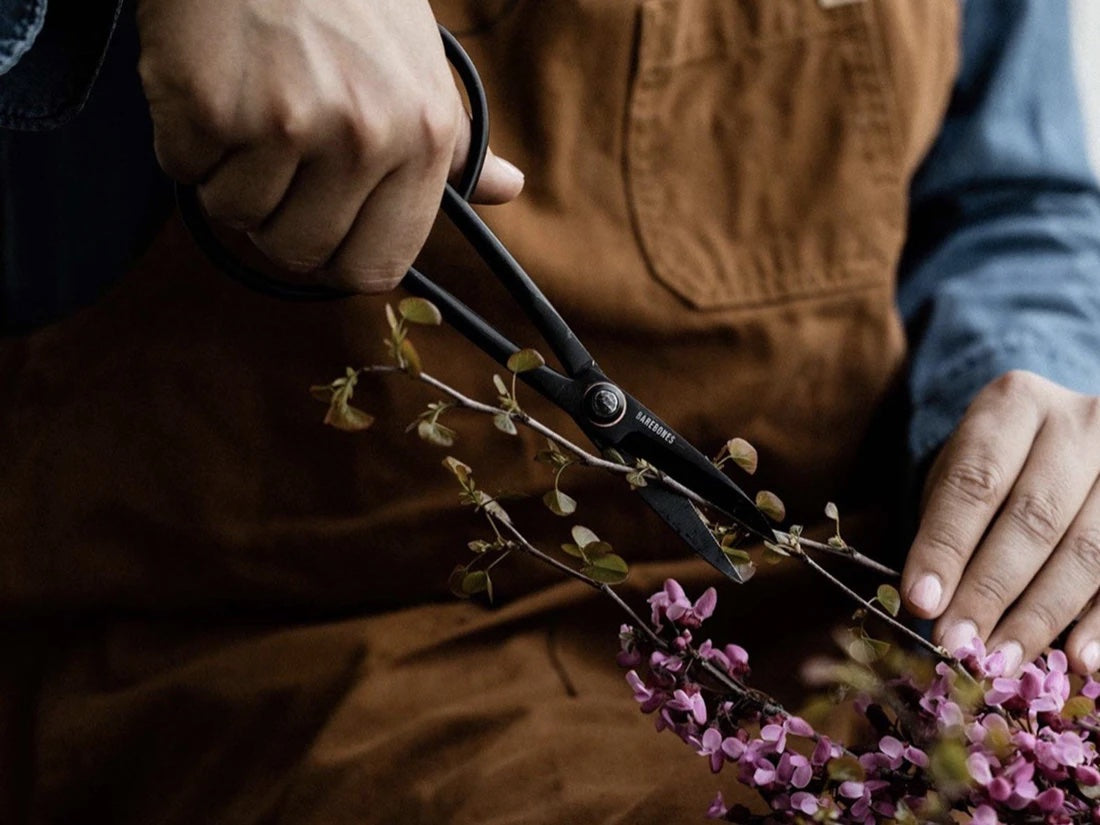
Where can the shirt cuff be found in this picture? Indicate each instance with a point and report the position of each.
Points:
(939, 411)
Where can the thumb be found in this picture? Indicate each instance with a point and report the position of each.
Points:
(500, 181)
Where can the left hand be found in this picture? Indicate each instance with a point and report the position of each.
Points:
(1008, 547)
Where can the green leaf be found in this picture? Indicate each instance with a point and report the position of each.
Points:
(770, 505)
(743, 454)
(737, 555)
(391, 318)
(947, 765)
(343, 416)
(583, 536)
(503, 422)
(866, 650)
(435, 433)
(479, 546)
(831, 511)
(455, 582)
(1078, 707)
(888, 597)
(502, 388)
(574, 551)
(608, 569)
(459, 469)
(778, 549)
(476, 582)
(410, 358)
(525, 360)
(420, 311)
(559, 503)
(772, 555)
(598, 549)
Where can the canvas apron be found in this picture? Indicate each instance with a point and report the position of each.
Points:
(217, 610)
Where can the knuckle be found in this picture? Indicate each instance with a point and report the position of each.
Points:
(1016, 383)
(976, 479)
(292, 121)
(991, 589)
(1038, 515)
(1084, 549)
(944, 544)
(1042, 619)
(438, 130)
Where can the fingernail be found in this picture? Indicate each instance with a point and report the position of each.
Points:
(926, 593)
(1090, 657)
(1014, 657)
(959, 635)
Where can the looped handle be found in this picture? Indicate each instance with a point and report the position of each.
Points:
(195, 220)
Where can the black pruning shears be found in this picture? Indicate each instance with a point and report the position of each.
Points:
(616, 422)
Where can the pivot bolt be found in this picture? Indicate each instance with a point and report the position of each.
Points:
(605, 404)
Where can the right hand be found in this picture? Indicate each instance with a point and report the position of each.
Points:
(325, 129)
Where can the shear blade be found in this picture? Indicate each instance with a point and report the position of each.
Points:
(682, 517)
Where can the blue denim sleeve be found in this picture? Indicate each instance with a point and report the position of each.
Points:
(1002, 268)
(49, 56)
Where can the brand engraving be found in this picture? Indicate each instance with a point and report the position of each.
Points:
(654, 427)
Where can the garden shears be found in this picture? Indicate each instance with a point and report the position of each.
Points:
(617, 423)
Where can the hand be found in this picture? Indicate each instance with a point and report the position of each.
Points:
(324, 128)
(1009, 542)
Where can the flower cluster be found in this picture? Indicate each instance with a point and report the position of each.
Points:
(998, 747)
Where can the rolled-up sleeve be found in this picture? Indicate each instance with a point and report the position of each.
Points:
(49, 56)
(1002, 269)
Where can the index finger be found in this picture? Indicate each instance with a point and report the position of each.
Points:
(968, 483)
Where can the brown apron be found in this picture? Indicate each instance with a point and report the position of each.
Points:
(216, 610)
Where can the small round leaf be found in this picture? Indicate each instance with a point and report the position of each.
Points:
(559, 503)
(831, 511)
(411, 358)
(526, 360)
(504, 423)
(743, 454)
(771, 506)
(889, 598)
(583, 536)
(420, 311)
(460, 469)
(476, 582)
(608, 569)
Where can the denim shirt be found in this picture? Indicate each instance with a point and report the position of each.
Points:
(1002, 268)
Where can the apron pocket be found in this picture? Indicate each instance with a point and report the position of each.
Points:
(761, 158)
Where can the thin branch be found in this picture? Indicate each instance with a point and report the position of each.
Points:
(764, 703)
(846, 552)
(935, 650)
(588, 459)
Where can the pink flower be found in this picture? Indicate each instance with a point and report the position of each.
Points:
(673, 604)
(711, 746)
(691, 703)
(805, 803)
(717, 808)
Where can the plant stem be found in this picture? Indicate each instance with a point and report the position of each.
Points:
(935, 650)
(587, 459)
